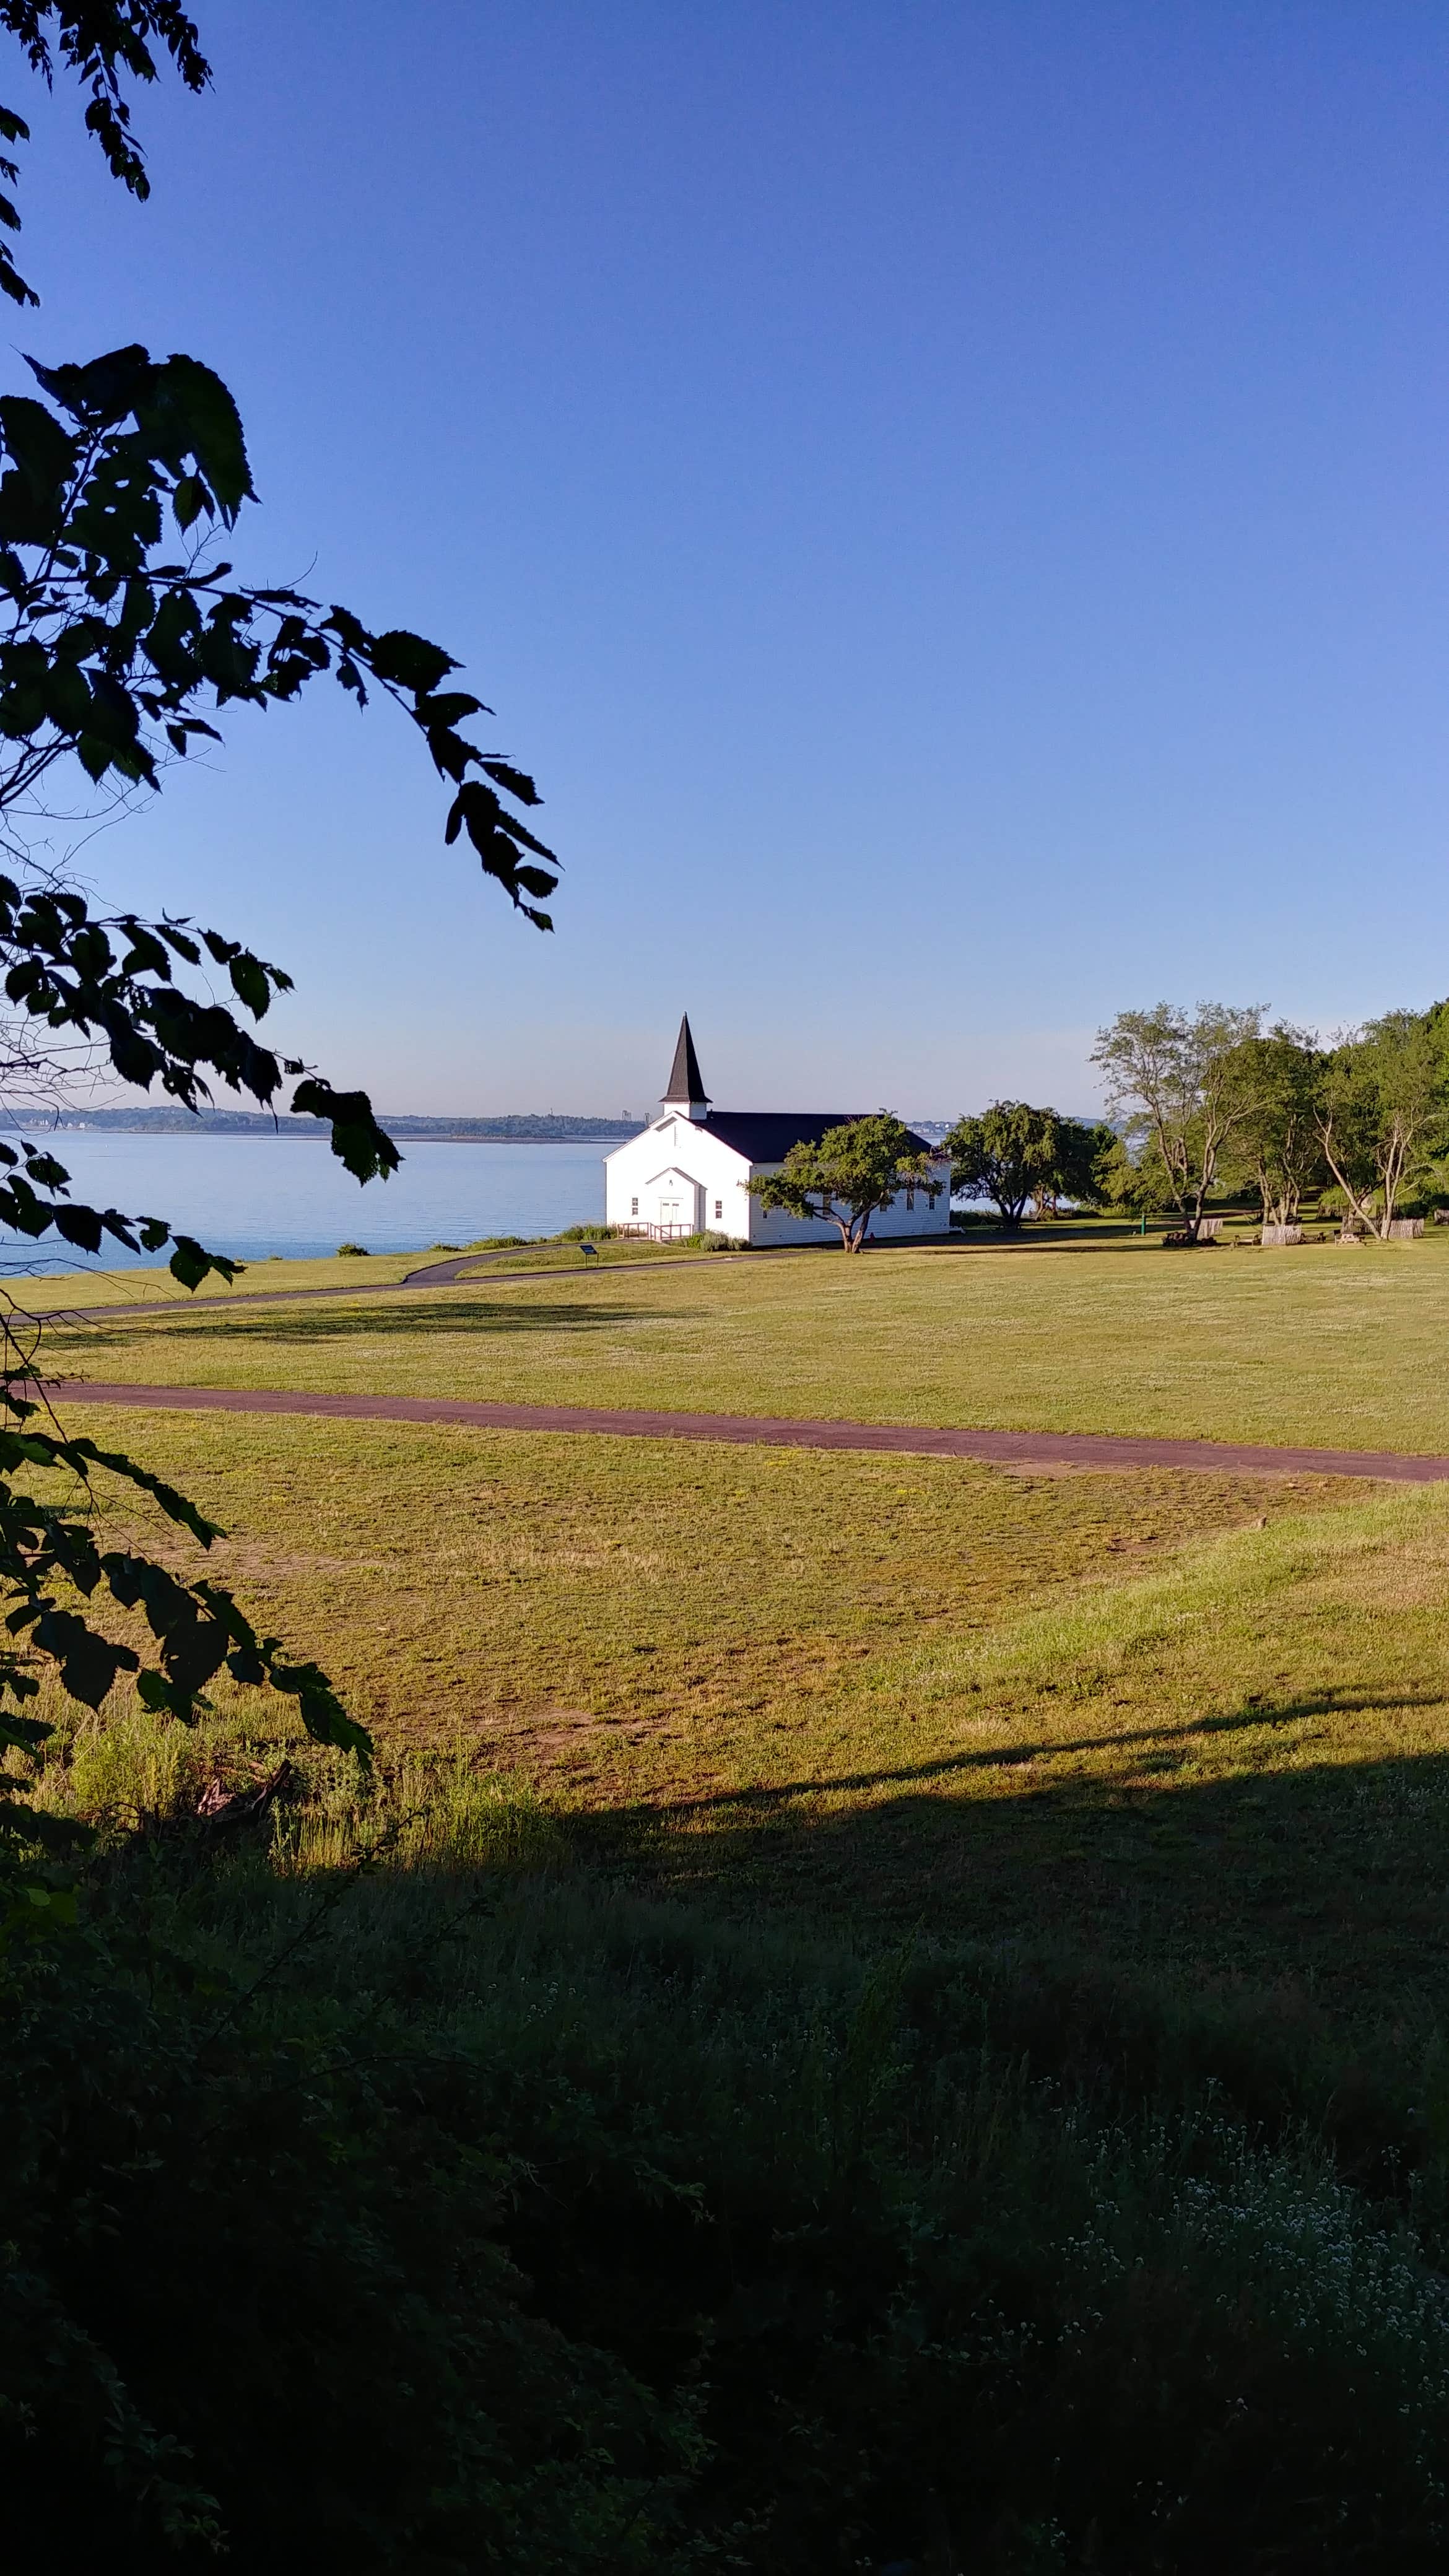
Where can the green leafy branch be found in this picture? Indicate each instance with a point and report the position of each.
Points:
(109, 653)
(49, 1556)
(116, 659)
(197, 1626)
(99, 42)
(111, 980)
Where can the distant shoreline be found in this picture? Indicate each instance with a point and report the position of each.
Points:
(247, 1125)
(314, 1136)
(242, 1128)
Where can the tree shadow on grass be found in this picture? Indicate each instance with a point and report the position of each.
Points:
(1332, 1874)
(1059, 1236)
(407, 1321)
(1250, 1718)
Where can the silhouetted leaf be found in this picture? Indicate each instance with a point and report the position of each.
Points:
(188, 500)
(409, 659)
(357, 1139)
(190, 1263)
(88, 1663)
(189, 411)
(517, 782)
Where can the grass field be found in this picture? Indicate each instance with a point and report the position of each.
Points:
(1042, 2032)
(85, 1287)
(1168, 1717)
(1318, 1346)
(1178, 1719)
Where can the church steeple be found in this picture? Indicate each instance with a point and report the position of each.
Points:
(685, 1089)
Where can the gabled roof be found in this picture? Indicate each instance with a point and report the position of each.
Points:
(766, 1135)
(686, 1083)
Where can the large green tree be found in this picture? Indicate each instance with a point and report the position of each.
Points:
(1175, 1076)
(1276, 1143)
(1383, 1107)
(1129, 1180)
(1021, 1157)
(1083, 1149)
(850, 1175)
(1006, 1154)
(124, 637)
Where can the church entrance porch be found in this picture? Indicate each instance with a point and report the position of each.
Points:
(667, 1209)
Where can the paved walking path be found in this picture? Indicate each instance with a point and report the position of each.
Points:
(457, 1272)
(998, 1448)
(461, 1269)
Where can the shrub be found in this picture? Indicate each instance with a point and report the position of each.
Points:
(353, 1252)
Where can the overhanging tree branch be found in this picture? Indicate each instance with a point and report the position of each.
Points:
(121, 645)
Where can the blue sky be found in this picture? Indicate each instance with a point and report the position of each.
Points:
(947, 499)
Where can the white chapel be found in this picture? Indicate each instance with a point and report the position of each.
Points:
(689, 1171)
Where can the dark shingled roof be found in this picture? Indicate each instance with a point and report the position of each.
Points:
(686, 1082)
(766, 1135)
(761, 1135)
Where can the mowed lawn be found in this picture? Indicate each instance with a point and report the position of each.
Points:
(85, 1286)
(1321, 1346)
(1188, 1720)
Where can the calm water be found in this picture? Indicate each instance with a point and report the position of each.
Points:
(251, 1195)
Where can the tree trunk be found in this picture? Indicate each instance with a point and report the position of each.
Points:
(1396, 1156)
(1204, 1184)
(1175, 1167)
(1358, 1211)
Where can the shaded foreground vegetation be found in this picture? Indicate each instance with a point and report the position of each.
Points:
(385, 2189)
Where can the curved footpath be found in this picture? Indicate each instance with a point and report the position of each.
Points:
(996, 1448)
(461, 1268)
(434, 1274)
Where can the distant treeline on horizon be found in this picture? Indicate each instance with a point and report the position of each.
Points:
(522, 1129)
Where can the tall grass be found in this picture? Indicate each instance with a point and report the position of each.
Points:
(429, 1810)
(453, 2210)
